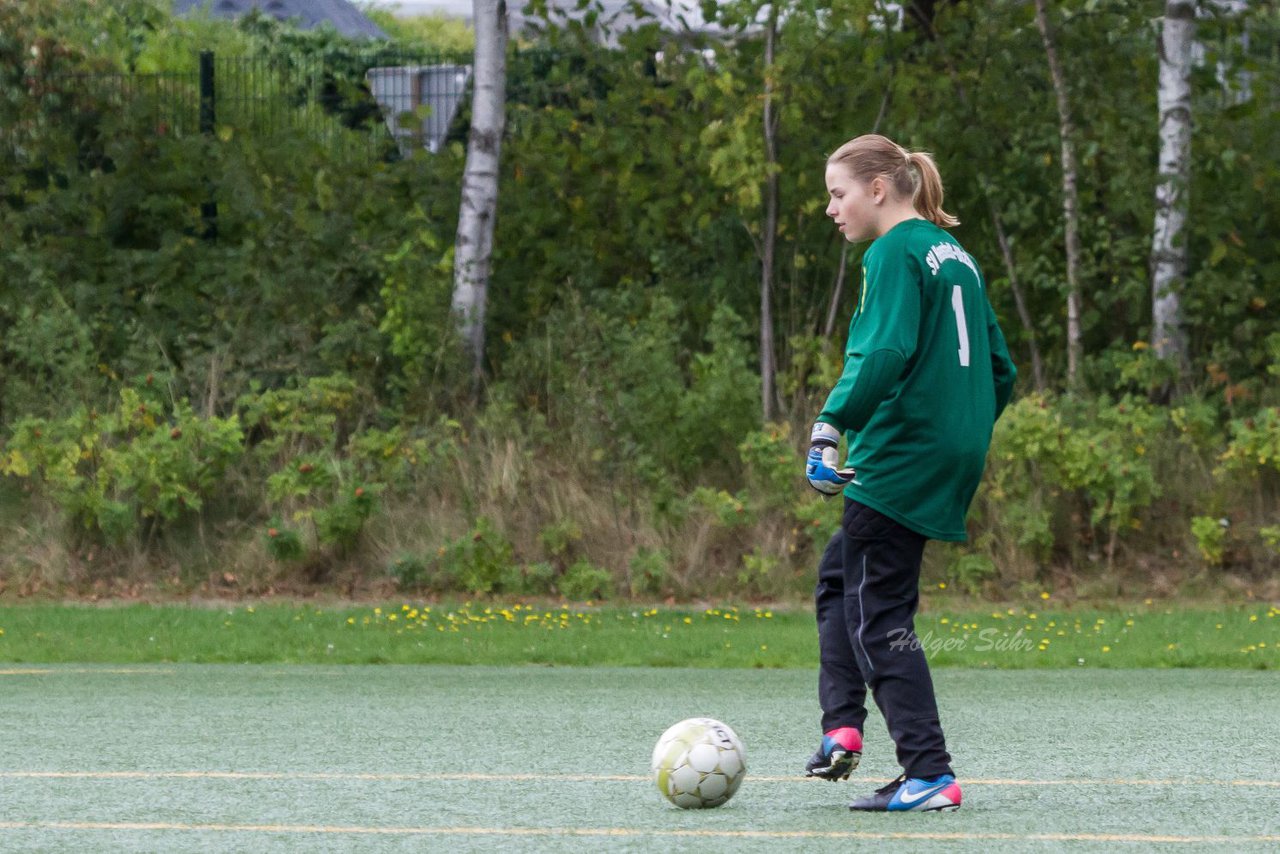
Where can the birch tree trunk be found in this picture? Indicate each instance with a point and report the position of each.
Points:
(473, 246)
(1168, 243)
(1070, 196)
(769, 240)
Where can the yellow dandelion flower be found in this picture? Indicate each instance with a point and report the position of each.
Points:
(942, 585)
(351, 621)
(1044, 594)
(944, 621)
(688, 621)
(1253, 618)
(1106, 649)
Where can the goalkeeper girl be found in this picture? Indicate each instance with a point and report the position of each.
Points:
(926, 374)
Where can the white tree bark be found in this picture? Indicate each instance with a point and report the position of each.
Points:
(474, 243)
(1168, 244)
(1070, 196)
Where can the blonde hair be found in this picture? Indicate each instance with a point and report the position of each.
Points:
(913, 174)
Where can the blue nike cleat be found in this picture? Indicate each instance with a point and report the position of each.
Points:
(837, 756)
(902, 795)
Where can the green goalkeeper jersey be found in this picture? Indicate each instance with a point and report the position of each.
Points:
(926, 374)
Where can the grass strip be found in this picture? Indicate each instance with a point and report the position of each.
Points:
(530, 633)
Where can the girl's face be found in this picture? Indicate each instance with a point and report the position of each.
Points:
(854, 204)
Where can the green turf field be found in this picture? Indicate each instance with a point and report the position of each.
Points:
(427, 758)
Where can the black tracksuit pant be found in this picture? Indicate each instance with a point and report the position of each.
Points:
(867, 595)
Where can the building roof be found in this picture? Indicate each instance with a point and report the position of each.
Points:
(341, 14)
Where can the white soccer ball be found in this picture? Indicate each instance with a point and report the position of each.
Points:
(699, 763)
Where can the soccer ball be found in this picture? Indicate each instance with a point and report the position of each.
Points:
(699, 763)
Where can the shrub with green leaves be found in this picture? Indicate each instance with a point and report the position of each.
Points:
(582, 581)
(142, 464)
(1210, 535)
(1094, 455)
(478, 561)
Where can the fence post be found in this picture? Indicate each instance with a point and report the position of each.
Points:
(208, 117)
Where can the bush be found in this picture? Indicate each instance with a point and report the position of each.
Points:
(126, 472)
(477, 562)
(582, 582)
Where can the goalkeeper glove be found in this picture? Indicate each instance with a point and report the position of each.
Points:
(821, 464)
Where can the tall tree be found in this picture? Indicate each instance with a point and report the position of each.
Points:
(769, 239)
(1168, 244)
(1070, 195)
(473, 246)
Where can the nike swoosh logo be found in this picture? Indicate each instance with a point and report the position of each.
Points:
(910, 799)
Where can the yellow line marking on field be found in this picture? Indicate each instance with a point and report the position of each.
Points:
(474, 777)
(958, 836)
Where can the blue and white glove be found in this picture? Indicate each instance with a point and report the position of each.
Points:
(821, 467)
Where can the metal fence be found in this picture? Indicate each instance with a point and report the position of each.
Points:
(380, 103)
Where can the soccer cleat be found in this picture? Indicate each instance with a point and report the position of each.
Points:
(837, 756)
(914, 794)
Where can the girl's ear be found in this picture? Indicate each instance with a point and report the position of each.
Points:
(879, 190)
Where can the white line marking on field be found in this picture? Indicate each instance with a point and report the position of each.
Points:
(473, 777)
(625, 832)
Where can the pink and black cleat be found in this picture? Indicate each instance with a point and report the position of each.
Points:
(837, 756)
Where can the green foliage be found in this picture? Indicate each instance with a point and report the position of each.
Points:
(283, 543)
(1211, 536)
(1094, 453)
(1271, 536)
(582, 582)
(136, 467)
(436, 32)
(410, 572)
(1255, 443)
(558, 538)
(476, 562)
(970, 572)
(649, 572)
(623, 304)
(760, 574)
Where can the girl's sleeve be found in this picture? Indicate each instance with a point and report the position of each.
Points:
(882, 338)
(1003, 371)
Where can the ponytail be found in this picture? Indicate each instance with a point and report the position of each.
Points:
(928, 195)
(912, 173)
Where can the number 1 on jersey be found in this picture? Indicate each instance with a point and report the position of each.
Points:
(962, 330)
